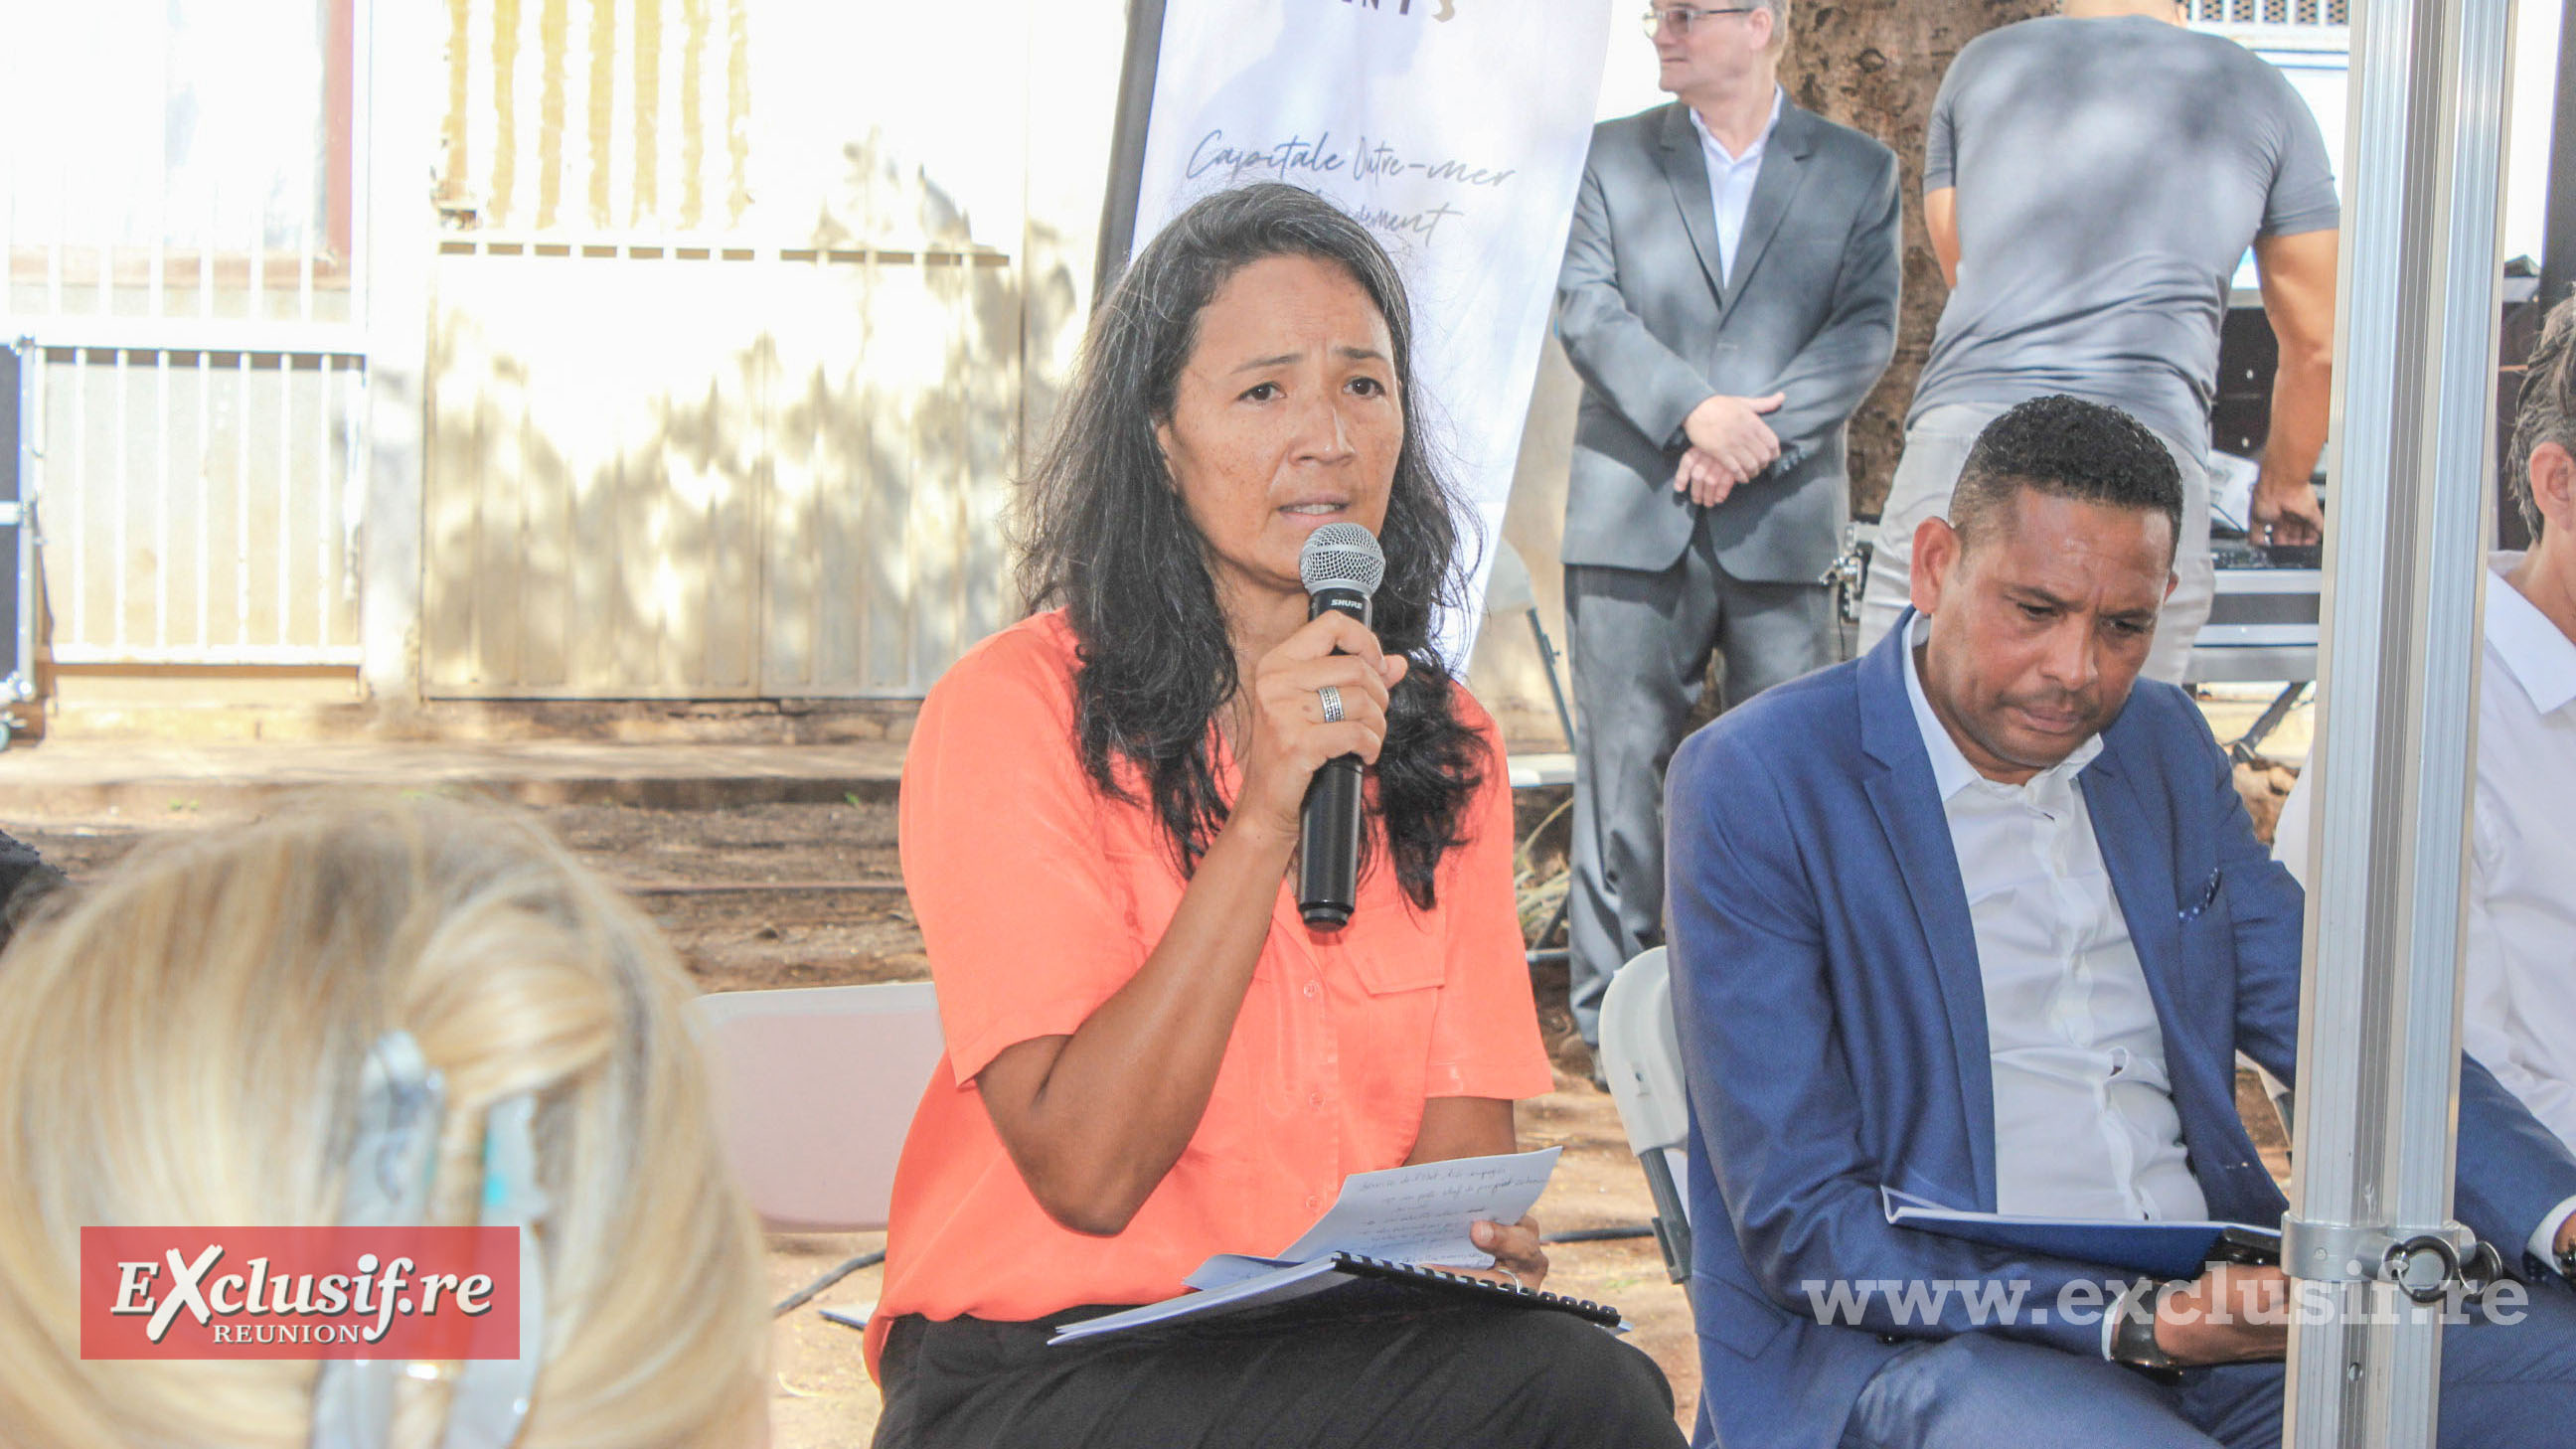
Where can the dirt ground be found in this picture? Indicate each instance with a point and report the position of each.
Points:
(809, 895)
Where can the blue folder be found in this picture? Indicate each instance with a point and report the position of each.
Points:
(2164, 1249)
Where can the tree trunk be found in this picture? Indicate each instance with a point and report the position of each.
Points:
(1874, 65)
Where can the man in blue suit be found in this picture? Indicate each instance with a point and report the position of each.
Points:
(1974, 918)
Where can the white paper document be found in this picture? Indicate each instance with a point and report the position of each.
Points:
(1419, 1214)
(2231, 491)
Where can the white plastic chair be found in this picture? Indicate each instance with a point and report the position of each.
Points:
(815, 1088)
(1641, 1054)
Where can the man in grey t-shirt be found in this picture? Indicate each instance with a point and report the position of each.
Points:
(2091, 182)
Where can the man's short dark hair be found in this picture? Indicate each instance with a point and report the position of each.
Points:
(2067, 448)
(2546, 412)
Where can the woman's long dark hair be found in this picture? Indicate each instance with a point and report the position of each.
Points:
(1103, 533)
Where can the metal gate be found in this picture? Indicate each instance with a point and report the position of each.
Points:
(183, 250)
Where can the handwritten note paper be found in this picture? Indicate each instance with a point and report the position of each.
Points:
(1403, 1215)
(1422, 1214)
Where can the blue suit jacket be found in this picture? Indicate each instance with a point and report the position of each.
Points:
(1833, 1027)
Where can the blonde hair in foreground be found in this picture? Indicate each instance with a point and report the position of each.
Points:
(184, 1046)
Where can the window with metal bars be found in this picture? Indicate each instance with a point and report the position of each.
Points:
(195, 152)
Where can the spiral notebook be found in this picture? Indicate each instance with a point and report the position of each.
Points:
(1333, 1284)
(1393, 1233)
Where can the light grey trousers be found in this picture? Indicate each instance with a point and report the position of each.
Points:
(1641, 644)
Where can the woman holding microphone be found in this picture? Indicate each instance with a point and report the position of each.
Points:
(1150, 1057)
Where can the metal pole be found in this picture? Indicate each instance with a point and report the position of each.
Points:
(394, 224)
(2379, 1033)
(17, 515)
(1136, 77)
(1555, 689)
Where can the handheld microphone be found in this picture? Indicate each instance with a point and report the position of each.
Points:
(1342, 567)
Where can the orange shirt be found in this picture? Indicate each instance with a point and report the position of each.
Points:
(1039, 897)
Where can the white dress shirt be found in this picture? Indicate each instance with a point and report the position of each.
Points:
(2085, 1125)
(2518, 1016)
(1730, 181)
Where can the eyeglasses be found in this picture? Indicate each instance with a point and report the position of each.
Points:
(1683, 17)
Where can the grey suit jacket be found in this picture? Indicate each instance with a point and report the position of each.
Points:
(1654, 329)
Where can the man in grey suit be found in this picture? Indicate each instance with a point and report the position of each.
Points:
(1729, 297)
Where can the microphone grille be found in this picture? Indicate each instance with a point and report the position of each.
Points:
(1343, 556)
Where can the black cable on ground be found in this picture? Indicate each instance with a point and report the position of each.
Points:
(1600, 1235)
(806, 1294)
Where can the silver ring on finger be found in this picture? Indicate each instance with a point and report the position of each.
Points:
(1331, 694)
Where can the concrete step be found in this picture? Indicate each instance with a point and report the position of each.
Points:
(767, 722)
(152, 780)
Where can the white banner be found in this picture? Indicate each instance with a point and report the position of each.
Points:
(1456, 129)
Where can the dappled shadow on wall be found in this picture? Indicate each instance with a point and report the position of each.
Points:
(707, 472)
